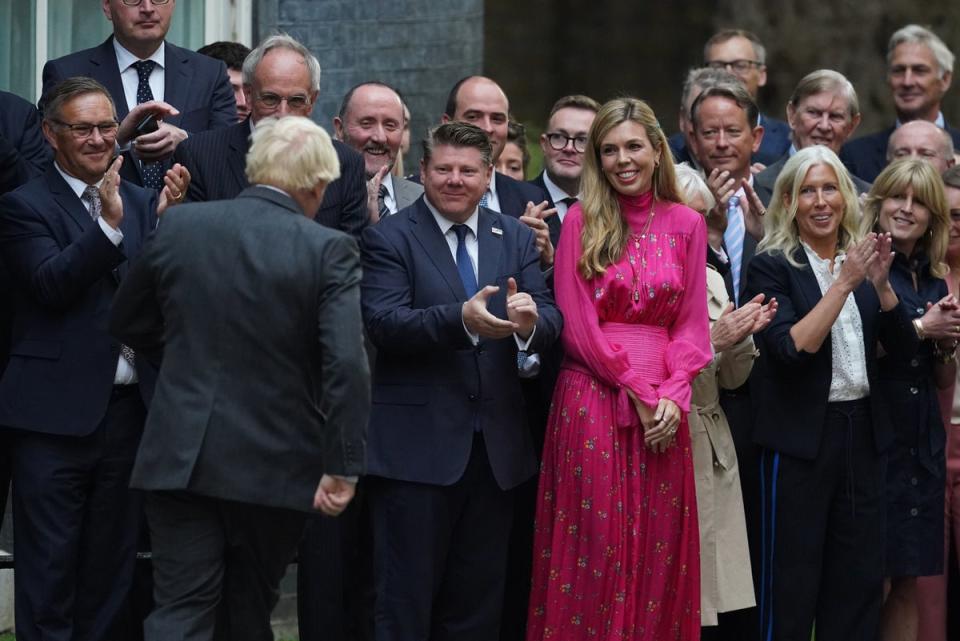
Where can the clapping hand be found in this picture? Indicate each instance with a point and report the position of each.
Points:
(373, 194)
(857, 262)
(478, 320)
(521, 310)
(111, 206)
(736, 324)
(175, 181)
(535, 217)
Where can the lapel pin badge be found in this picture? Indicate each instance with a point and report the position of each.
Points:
(497, 231)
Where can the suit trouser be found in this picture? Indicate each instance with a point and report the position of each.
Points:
(75, 526)
(823, 534)
(217, 566)
(440, 555)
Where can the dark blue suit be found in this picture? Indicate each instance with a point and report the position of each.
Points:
(74, 433)
(448, 433)
(866, 156)
(775, 143)
(195, 84)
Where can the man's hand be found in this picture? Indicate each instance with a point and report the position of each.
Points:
(176, 181)
(111, 207)
(753, 211)
(535, 217)
(722, 187)
(158, 108)
(373, 194)
(333, 495)
(521, 310)
(479, 321)
(159, 145)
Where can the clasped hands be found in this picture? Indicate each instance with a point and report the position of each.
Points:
(659, 425)
(155, 146)
(333, 494)
(521, 313)
(941, 321)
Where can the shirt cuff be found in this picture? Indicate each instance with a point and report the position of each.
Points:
(348, 479)
(474, 338)
(114, 235)
(522, 345)
(721, 254)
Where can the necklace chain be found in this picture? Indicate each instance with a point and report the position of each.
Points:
(639, 258)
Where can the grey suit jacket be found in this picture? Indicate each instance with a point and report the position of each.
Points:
(405, 192)
(264, 384)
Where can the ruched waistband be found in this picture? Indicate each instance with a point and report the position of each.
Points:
(646, 346)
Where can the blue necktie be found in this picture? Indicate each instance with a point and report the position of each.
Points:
(464, 266)
(733, 238)
(152, 172)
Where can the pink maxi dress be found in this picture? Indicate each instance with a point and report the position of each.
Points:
(616, 546)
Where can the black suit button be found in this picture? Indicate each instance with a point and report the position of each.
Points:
(472, 397)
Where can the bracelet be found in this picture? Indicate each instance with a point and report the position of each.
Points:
(942, 355)
(918, 327)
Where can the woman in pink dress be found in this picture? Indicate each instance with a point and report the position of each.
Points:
(616, 550)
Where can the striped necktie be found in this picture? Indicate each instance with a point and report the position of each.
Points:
(382, 210)
(733, 238)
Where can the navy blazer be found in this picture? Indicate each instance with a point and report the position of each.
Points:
(790, 388)
(866, 156)
(217, 163)
(195, 84)
(65, 272)
(431, 384)
(775, 143)
(764, 182)
(23, 151)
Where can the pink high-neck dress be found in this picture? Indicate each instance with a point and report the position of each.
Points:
(616, 547)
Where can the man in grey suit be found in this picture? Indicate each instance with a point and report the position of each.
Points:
(261, 404)
(371, 121)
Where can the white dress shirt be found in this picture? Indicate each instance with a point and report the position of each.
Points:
(848, 381)
(493, 201)
(557, 195)
(129, 77)
(390, 200)
(125, 374)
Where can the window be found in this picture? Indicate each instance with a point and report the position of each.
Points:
(34, 31)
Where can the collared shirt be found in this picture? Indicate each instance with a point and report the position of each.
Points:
(125, 374)
(493, 201)
(390, 200)
(940, 122)
(446, 228)
(741, 194)
(129, 77)
(557, 195)
(848, 381)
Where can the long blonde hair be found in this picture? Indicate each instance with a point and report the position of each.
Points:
(781, 234)
(927, 189)
(605, 231)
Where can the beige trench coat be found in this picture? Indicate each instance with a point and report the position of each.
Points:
(726, 578)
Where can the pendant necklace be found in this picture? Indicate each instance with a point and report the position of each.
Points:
(640, 257)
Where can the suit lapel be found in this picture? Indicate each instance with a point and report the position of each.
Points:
(239, 145)
(177, 77)
(427, 233)
(809, 286)
(68, 200)
(104, 59)
(489, 247)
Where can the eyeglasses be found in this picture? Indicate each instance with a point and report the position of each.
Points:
(739, 66)
(137, 3)
(560, 142)
(272, 101)
(83, 130)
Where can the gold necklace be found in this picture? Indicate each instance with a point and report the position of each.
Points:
(639, 258)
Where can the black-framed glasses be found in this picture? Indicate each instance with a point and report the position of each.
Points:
(559, 142)
(272, 101)
(137, 3)
(83, 130)
(739, 66)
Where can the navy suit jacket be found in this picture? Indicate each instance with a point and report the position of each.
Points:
(195, 84)
(217, 163)
(764, 182)
(65, 272)
(775, 143)
(431, 385)
(23, 151)
(790, 388)
(866, 156)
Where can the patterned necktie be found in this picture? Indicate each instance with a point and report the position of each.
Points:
(733, 238)
(152, 172)
(382, 208)
(485, 200)
(91, 195)
(464, 266)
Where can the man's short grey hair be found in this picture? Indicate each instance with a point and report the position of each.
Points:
(281, 41)
(291, 153)
(703, 77)
(759, 51)
(946, 141)
(915, 34)
(826, 81)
